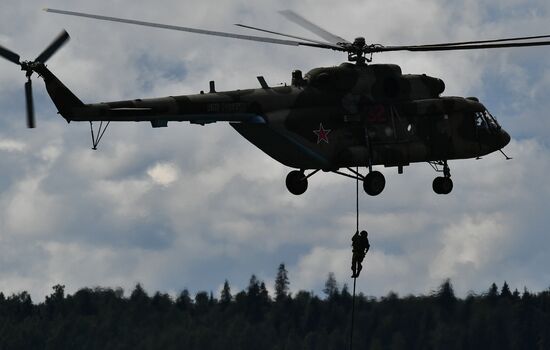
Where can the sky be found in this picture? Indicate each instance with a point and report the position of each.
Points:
(190, 206)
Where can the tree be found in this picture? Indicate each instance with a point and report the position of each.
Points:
(254, 300)
(139, 295)
(446, 296)
(331, 286)
(281, 283)
(202, 300)
(54, 302)
(184, 300)
(253, 287)
(58, 293)
(161, 301)
(492, 293)
(264, 294)
(225, 296)
(505, 291)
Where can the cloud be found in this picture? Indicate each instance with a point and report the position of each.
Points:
(470, 245)
(8, 145)
(163, 173)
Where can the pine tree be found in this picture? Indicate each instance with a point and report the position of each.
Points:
(281, 283)
(492, 293)
(254, 300)
(201, 302)
(225, 297)
(264, 294)
(253, 287)
(139, 295)
(345, 291)
(446, 295)
(184, 301)
(331, 286)
(505, 291)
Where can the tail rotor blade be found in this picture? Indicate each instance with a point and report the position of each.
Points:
(30, 104)
(9, 55)
(54, 46)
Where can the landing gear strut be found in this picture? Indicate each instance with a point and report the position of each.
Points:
(442, 184)
(100, 133)
(373, 183)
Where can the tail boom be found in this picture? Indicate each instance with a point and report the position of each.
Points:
(64, 99)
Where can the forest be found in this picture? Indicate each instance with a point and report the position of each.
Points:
(105, 318)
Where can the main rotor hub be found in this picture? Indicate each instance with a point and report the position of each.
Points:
(356, 51)
(359, 42)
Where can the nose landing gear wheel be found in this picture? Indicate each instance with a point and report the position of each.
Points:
(296, 182)
(442, 185)
(374, 183)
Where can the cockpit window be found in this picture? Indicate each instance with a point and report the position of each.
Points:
(486, 120)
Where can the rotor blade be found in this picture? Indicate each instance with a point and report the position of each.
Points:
(454, 47)
(486, 41)
(301, 21)
(194, 30)
(276, 33)
(54, 46)
(9, 55)
(30, 104)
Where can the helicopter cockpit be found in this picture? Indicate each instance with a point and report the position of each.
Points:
(485, 120)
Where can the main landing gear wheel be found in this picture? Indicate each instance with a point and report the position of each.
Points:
(374, 183)
(442, 185)
(296, 182)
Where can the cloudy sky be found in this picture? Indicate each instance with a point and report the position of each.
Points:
(189, 206)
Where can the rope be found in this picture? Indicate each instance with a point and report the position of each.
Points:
(357, 200)
(352, 315)
(355, 278)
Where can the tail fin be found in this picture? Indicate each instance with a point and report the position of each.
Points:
(66, 102)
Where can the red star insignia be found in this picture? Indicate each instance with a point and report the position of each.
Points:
(322, 134)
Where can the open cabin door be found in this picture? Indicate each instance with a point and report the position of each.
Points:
(386, 136)
(440, 136)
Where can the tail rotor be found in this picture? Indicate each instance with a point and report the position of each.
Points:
(29, 68)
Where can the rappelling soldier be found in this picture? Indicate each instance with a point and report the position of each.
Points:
(360, 246)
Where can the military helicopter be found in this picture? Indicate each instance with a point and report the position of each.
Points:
(332, 119)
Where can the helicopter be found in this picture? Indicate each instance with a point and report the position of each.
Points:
(332, 119)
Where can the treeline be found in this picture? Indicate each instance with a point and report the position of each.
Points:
(104, 318)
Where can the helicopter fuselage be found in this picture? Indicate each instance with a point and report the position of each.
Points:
(335, 117)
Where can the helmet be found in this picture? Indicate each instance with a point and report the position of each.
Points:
(364, 233)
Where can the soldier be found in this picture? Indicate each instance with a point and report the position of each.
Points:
(360, 246)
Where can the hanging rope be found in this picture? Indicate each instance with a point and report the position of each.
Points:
(357, 200)
(355, 278)
(352, 315)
